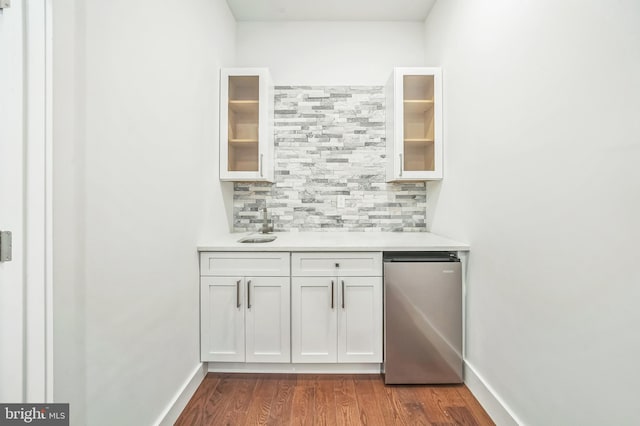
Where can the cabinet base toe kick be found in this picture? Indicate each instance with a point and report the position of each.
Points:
(241, 367)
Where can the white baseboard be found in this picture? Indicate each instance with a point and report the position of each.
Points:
(182, 397)
(488, 398)
(240, 367)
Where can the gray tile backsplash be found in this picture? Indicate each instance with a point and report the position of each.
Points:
(330, 167)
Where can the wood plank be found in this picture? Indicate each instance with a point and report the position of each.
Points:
(239, 400)
(383, 397)
(282, 399)
(347, 410)
(325, 400)
(280, 413)
(262, 399)
(370, 412)
(474, 406)
(218, 401)
(408, 403)
(435, 401)
(302, 405)
(193, 412)
(462, 416)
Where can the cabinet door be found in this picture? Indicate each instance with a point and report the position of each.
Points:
(314, 319)
(360, 319)
(267, 319)
(222, 319)
(246, 99)
(414, 113)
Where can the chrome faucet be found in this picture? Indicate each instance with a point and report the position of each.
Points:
(266, 228)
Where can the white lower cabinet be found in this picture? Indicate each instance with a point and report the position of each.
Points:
(336, 317)
(328, 312)
(245, 318)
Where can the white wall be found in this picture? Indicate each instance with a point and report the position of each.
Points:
(135, 157)
(542, 178)
(330, 53)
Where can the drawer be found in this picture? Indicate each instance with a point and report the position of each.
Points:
(263, 264)
(347, 264)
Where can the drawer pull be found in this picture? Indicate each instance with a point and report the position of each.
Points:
(238, 294)
(249, 294)
(342, 294)
(332, 304)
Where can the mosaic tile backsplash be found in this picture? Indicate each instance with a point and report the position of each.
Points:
(330, 167)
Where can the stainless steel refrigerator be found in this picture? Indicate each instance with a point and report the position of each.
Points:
(422, 318)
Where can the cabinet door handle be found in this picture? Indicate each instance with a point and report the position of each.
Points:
(249, 294)
(238, 293)
(400, 156)
(342, 294)
(261, 173)
(332, 304)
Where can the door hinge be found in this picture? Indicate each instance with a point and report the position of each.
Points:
(5, 245)
(4, 4)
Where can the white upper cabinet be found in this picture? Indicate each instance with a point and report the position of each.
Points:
(246, 131)
(414, 124)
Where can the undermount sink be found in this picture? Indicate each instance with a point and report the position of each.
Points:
(257, 239)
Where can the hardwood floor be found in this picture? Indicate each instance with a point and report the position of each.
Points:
(308, 399)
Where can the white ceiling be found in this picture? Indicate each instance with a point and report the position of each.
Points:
(330, 10)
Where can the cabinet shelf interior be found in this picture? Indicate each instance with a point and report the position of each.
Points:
(246, 107)
(243, 140)
(243, 123)
(418, 106)
(419, 140)
(243, 157)
(418, 103)
(418, 87)
(244, 88)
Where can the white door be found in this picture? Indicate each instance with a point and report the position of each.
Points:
(360, 319)
(267, 311)
(314, 326)
(222, 307)
(11, 201)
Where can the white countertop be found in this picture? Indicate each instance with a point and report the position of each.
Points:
(337, 241)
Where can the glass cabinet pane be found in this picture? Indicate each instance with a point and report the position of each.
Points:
(243, 123)
(419, 148)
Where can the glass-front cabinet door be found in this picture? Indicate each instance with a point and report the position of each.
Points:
(246, 135)
(414, 130)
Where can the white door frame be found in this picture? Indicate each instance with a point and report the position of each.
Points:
(32, 108)
(38, 301)
(38, 220)
(12, 127)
